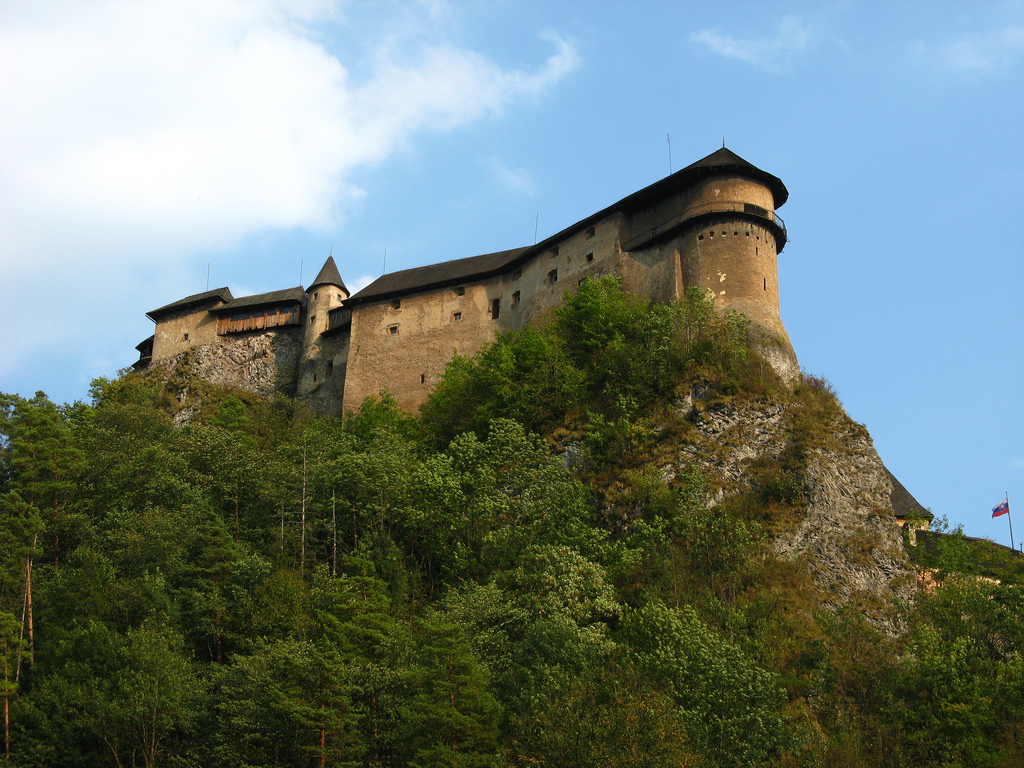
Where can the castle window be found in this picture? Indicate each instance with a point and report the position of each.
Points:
(553, 252)
(314, 295)
(423, 378)
(700, 237)
(766, 283)
(589, 257)
(460, 291)
(396, 303)
(330, 367)
(314, 378)
(515, 299)
(711, 233)
(312, 318)
(553, 276)
(393, 330)
(186, 337)
(589, 233)
(517, 274)
(748, 234)
(495, 308)
(456, 317)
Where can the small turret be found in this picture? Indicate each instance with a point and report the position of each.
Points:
(326, 293)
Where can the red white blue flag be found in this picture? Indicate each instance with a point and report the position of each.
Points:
(1002, 508)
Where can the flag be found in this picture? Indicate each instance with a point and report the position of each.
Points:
(1002, 508)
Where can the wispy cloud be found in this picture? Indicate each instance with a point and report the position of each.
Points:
(980, 53)
(518, 181)
(772, 53)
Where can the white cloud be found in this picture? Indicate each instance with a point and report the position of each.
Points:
(978, 53)
(518, 181)
(131, 130)
(770, 53)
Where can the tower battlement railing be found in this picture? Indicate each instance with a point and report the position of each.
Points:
(708, 210)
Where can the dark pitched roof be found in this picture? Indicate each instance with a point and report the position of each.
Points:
(903, 504)
(719, 161)
(328, 275)
(435, 275)
(296, 295)
(217, 294)
(477, 267)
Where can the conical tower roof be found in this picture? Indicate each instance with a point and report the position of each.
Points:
(726, 160)
(328, 275)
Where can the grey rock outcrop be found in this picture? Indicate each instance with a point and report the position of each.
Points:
(847, 534)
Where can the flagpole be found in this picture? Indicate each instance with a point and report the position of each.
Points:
(1009, 519)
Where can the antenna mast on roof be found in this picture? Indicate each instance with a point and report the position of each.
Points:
(668, 138)
(536, 223)
(300, 271)
(385, 270)
(207, 275)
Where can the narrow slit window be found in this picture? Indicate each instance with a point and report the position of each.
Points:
(495, 309)
(186, 337)
(330, 367)
(312, 319)
(553, 276)
(396, 304)
(589, 233)
(423, 378)
(515, 299)
(766, 283)
(589, 258)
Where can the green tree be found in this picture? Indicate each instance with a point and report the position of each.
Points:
(732, 707)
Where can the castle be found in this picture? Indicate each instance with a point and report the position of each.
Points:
(712, 225)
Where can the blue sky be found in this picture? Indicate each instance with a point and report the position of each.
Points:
(146, 143)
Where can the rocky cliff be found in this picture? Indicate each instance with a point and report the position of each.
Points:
(844, 528)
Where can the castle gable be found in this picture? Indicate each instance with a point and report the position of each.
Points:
(205, 300)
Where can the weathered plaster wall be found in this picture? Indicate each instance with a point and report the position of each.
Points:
(177, 331)
(327, 392)
(404, 349)
(591, 252)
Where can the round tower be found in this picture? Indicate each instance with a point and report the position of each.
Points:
(327, 292)
(729, 242)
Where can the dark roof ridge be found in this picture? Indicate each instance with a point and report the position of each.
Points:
(296, 294)
(903, 503)
(223, 294)
(437, 275)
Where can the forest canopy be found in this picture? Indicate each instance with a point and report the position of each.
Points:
(503, 580)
